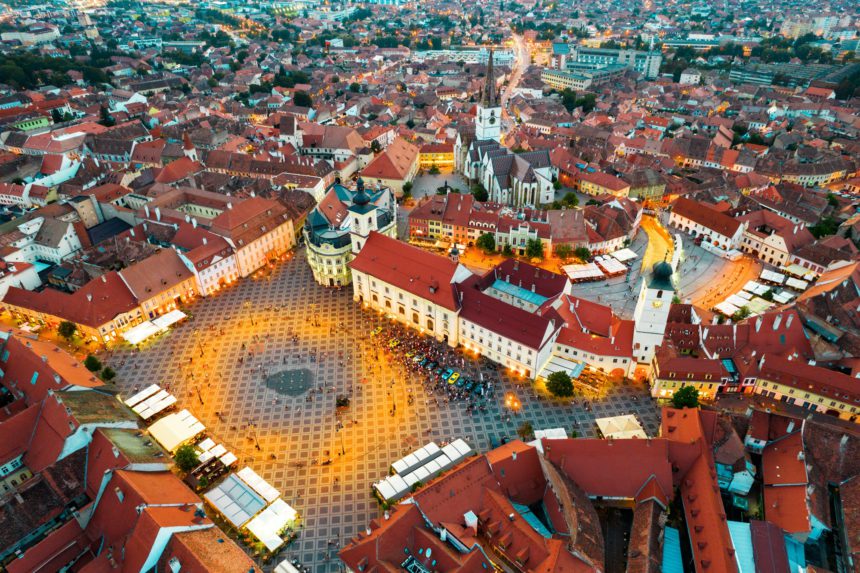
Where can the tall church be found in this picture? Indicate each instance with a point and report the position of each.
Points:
(488, 123)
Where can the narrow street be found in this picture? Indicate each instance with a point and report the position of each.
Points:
(522, 61)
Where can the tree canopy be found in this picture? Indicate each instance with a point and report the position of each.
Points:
(686, 397)
(559, 384)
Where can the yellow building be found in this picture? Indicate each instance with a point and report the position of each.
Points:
(439, 155)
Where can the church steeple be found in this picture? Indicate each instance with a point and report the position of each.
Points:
(489, 116)
(488, 97)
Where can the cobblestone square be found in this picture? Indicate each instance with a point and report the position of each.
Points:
(217, 363)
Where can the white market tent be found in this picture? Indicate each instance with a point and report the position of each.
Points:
(391, 488)
(756, 288)
(258, 484)
(268, 525)
(772, 276)
(743, 295)
(611, 265)
(797, 284)
(550, 434)
(416, 459)
(139, 333)
(798, 271)
(150, 390)
(166, 320)
(176, 429)
(155, 404)
(286, 567)
(625, 255)
(229, 459)
(759, 306)
(620, 427)
(235, 500)
(206, 445)
(783, 297)
(726, 308)
(738, 301)
(586, 272)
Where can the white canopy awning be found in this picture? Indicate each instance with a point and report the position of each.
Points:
(620, 427)
(175, 430)
(169, 319)
(258, 484)
(267, 526)
(625, 255)
(139, 333)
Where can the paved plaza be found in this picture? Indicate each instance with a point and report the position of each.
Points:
(284, 329)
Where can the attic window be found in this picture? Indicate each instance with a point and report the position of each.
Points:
(119, 494)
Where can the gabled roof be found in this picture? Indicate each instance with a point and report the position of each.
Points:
(426, 275)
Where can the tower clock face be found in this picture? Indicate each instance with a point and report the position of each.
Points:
(657, 303)
(492, 120)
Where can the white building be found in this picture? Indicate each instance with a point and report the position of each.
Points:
(408, 284)
(652, 312)
(717, 232)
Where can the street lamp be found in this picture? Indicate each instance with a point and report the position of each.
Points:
(251, 316)
(199, 397)
(340, 431)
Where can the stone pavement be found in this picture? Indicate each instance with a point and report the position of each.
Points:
(286, 322)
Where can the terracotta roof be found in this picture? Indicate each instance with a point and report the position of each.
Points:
(94, 305)
(414, 270)
(394, 163)
(706, 216)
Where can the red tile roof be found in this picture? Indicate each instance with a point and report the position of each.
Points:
(414, 270)
(706, 216)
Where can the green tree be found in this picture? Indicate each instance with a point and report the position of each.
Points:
(375, 146)
(686, 397)
(507, 251)
(67, 329)
(407, 189)
(433, 170)
(186, 458)
(742, 313)
(92, 363)
(582, 253)
(106, 118)
(302, 99)
(526, 431)
(563, 251)
(486, 242)
(559, 384)
(479, 193)
(824, 227)
(534, 249)
(355, 87)
(108, 374)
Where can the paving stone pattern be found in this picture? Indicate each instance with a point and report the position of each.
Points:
(300, 325)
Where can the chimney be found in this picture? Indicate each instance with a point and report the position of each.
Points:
(229, 205)
(194, 222)
(157, 214)
(89, 298)
(104, 280)
(146, 210)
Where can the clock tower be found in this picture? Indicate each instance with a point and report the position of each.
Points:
(652, 312)
(488, 123)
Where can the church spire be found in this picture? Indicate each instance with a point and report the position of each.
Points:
(488, 98)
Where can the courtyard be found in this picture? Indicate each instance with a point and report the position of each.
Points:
(262, 363)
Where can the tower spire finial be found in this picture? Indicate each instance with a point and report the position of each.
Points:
(488, 98)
